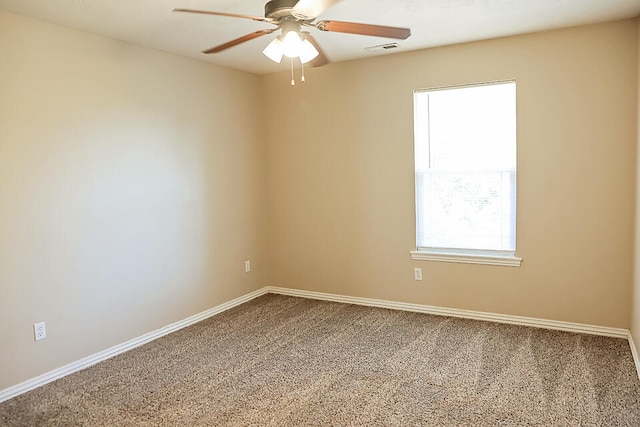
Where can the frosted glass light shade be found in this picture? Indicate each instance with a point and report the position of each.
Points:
(274, 50)
(291, 44)
(307, 51)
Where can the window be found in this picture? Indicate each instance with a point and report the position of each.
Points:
(465, 164)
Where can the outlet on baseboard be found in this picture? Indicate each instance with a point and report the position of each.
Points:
(39, 331)
(247, 266)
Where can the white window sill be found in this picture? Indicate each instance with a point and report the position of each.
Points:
(467, 257)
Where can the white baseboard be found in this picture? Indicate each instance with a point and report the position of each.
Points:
(419, 308)
(76, 366)
(453, 312)
(634, 352)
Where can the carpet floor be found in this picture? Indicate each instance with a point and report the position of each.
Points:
(285, 361)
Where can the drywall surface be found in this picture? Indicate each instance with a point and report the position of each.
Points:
(131, 192)
(635, 323)
(341, 176)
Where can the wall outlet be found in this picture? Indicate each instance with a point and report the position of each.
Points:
(417, 273)
(247, 266)
(39, 331)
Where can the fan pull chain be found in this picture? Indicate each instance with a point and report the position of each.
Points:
(302, 64)
(293, 82)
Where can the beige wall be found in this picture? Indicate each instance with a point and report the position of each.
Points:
(133, 184)
(131, 192)
(635, 323)
(340, 176)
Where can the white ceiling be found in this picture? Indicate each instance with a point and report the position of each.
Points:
(151, 23)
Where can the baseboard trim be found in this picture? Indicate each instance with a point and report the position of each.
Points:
(83, 363)
(634, 352)
(452, 312)
(86, 362)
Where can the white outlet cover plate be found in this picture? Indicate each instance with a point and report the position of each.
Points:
(39, 331)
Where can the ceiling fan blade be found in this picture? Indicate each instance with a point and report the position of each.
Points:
(364, 29)
(321, 59)
(239, 40)
(309, 9)
(232, 15)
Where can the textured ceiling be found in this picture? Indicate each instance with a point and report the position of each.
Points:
(151, 23)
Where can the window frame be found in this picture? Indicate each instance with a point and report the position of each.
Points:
(457, 255)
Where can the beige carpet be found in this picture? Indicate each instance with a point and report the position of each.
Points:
(283, 361)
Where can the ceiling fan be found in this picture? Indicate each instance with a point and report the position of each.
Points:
(291, 16)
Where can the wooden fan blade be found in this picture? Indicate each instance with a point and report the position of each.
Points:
(321, 59)
(239, 40)
(309, 9)
(364, 29)
(232, 15)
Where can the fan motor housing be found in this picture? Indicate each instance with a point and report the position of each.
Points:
(276, 9)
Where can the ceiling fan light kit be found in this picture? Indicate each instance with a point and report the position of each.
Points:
(289, 16)
(292, 45)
